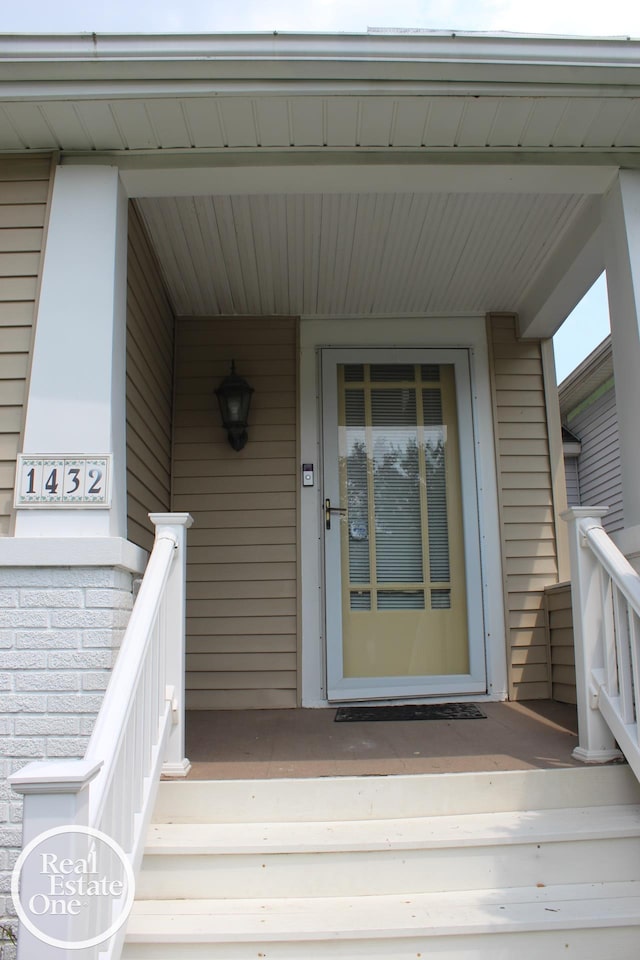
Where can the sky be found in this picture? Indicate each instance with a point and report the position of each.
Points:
(620, 18)
(567, 17)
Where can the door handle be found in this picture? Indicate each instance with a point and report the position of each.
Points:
(328, 510)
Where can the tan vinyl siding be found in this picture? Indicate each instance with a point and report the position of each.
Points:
(24, 195)
(150, 333)
(242, 555)
(563, 663)
(529, 550)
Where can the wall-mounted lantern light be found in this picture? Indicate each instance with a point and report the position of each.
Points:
(234, 397)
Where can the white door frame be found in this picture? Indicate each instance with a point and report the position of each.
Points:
(340, 688)
(444, 332)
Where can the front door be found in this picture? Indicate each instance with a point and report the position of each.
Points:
(403, 588)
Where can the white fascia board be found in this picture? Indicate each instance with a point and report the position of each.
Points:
(572, 449)
(449, 47)
(175, 180)
(460, 59)
(572, 268)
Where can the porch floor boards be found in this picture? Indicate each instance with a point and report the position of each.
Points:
(263, 744)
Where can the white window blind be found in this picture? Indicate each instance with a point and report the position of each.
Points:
(396, 487)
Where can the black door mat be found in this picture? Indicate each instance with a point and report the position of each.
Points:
(418, 711)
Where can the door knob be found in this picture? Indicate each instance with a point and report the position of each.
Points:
(328, 510)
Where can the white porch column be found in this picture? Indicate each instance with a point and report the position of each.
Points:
(596, 743)
(76, 402)
(621, 222)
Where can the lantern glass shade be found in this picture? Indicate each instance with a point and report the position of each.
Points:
(234, 398)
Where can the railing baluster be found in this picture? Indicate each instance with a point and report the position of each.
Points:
(147, 700)
(633, 622)
(126, 812)
(608, 635)
(138, 722)
(156, 678)
(623, 650)
(161, 660)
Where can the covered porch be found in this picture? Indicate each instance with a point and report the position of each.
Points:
(348, 219)
(277, 221)
(251, 744)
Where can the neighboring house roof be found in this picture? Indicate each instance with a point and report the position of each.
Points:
(593, 376)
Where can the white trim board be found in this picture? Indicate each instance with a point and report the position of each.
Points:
(329, 176)
(467, 332)
(72, 552)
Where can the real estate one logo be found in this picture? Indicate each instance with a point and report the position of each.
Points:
(73, 887)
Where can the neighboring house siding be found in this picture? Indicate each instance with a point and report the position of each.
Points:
(563, 664)
(24, 194)
(242, 558)
(573, 484)
(526, 504)
(150, 333)
(599, 462)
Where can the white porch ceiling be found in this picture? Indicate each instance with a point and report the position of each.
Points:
(356, 254)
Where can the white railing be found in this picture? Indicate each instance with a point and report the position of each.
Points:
(606, 622)
(138, 734)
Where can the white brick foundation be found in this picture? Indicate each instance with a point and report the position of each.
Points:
(60, 630)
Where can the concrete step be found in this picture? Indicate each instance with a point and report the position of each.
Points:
(526, 922)
(393, 797)
(427, 854)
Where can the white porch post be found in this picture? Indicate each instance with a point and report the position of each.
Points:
(76, 400)
(55, 796)
(173, 628)
(621, 222)
(595, 740)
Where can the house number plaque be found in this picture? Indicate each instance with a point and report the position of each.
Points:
(63, 481)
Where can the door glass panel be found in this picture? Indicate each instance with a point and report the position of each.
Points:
(391, 372)
(353, 373)
(434, 449)
(400, 599)
(404, 596)
(396, 484)
(357, 487)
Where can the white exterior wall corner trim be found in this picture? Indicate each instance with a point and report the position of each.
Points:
(458, 332)
(556, 458)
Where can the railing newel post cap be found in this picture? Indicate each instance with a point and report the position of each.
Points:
(55, 776)
(581, 513)
(171, 519)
